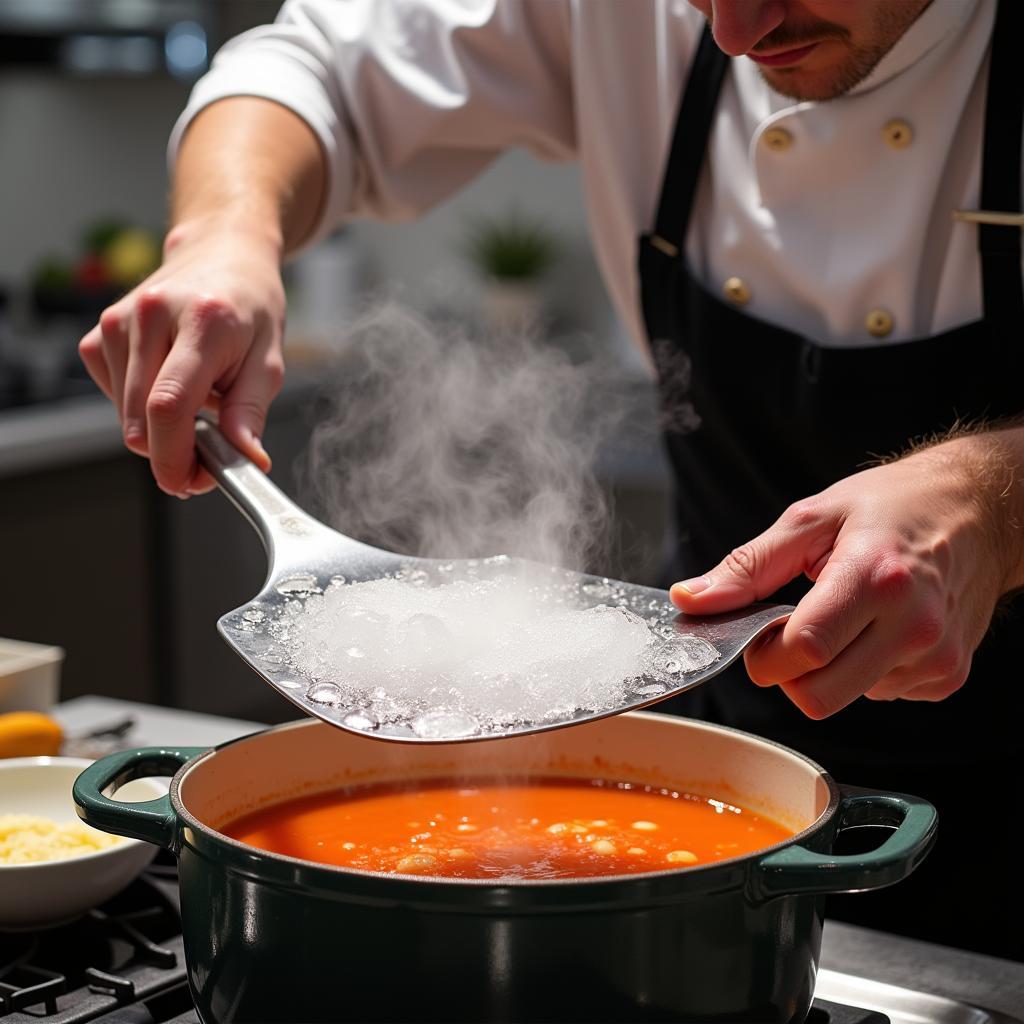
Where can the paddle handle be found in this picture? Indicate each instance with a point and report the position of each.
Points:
(280, 523)
(295, 542)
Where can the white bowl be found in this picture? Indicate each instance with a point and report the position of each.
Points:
(51, 892)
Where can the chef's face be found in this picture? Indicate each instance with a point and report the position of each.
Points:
(810, 49)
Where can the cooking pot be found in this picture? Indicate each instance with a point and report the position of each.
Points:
(273, 938)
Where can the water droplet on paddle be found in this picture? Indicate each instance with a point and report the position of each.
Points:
(363, 721)
(301, 585)
(442, 725)
(324, 693)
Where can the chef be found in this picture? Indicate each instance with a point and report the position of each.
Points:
(811, 210)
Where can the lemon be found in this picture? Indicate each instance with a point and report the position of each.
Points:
(29, 734)
(131, 255)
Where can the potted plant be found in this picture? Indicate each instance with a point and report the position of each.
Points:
(512, 253)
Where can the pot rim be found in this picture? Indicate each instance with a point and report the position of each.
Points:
(331, 872)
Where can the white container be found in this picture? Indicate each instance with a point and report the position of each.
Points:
(29, 676)
(323, 299)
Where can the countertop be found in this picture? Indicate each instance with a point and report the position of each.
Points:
(83, 428)
(971, 978)
(57, 433)
(980, 981)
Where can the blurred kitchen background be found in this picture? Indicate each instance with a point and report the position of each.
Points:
(96, 560)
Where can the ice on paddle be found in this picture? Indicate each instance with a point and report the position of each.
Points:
(476, 655)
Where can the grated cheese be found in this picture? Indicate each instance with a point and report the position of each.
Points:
(29, 838)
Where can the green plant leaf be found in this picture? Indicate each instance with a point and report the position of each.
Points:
(511, 247)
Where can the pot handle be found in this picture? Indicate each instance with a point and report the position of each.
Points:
(153, 821)
(796, 870)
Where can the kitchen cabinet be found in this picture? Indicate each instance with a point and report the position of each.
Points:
(77, 572)
(116, 38)
(130, 582)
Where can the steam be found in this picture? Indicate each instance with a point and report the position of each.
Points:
(438, 444)
(675, 374)
(434, 443)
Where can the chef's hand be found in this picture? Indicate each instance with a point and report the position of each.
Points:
(204, 331)
(908, 561)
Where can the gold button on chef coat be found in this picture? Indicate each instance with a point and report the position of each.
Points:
(879, 322)
(737, 290)
(898, 133)
(777, 139)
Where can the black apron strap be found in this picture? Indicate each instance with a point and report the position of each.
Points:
(689, 145)
(999, 245)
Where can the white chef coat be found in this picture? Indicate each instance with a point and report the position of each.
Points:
(842, 216)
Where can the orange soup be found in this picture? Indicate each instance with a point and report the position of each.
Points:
(544, 829)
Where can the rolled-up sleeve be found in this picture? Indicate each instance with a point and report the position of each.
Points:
(410, 99)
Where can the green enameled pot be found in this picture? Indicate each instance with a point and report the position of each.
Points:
(273, 938)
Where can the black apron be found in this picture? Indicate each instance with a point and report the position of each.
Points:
(782, 418)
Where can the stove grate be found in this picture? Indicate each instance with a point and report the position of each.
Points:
(22, 985)
(122, 953)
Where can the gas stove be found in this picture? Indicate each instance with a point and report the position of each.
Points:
(123, 962)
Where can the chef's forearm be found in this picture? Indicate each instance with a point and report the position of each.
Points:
(250, 166)
(991, 462)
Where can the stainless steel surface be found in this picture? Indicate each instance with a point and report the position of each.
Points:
(902, 1005)
(304, 556)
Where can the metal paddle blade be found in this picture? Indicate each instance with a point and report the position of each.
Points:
(307, 560)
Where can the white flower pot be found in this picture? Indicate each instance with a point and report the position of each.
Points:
(512, 305)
